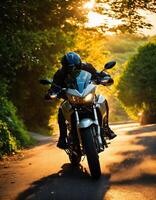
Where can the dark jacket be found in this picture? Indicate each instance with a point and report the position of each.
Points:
(61, 75)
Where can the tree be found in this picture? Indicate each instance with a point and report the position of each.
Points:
(137, 84)
(34, 35)
(29, 27)
(130, 12)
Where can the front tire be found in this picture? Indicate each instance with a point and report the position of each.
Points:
(74, 150)
(91, 152)
(75, 159)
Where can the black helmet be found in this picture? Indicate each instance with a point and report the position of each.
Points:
(71, 60)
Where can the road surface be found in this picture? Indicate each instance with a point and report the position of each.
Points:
(44, 173)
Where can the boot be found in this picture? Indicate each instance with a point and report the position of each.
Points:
(62, 143)
(110, 134)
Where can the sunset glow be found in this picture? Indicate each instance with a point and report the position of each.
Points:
(89, 5)
(95, 19)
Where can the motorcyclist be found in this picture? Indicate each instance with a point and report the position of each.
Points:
(71, 62)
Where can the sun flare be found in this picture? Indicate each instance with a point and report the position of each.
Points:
(89, 5)
(95, 19)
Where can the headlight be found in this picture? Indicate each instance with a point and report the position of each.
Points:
(88, 98)
(79, 100)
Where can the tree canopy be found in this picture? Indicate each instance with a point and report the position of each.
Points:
(130, 12)
(34, 34)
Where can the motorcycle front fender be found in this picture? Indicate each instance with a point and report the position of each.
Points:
(85, 123)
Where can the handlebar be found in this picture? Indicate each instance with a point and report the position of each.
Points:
(54, 95)
(103, 79)
(106, 81)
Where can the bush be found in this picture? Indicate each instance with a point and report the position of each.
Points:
(13, 134)
(137, 84)
(14, 124)
(8, 143)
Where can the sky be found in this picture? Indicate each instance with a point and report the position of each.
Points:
(152, 19)
(95, 19)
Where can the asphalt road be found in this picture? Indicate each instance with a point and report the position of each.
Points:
(44, 172)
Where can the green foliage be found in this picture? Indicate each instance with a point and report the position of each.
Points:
(40, 15)
(30, 49)
(98, 48)
(137, 85)
(122, 46)
(33, 32)
(40, 57)
(13, 134)
(8, 143)
(14, 124)
(34, 35)
(32, 107)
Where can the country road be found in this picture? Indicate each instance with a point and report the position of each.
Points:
(44, 172)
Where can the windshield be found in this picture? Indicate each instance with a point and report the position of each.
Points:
(79, 80)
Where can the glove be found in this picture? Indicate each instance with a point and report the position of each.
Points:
(106, 81)
(110, 81)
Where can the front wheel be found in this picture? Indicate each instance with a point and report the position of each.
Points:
(74, 152)
(91, 152)
(75, 159)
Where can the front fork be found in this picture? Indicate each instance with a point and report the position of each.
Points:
(97, 131)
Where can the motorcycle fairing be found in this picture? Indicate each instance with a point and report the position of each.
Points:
(82, 80)
(89, 89)
(68, 111)
(80, 84)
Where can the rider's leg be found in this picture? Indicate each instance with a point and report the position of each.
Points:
(108, 130)
(63, 130)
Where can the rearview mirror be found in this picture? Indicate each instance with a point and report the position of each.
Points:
(45, 82)
(109, 65)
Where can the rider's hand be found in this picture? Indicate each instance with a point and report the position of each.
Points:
(110, 81)
(103, 74)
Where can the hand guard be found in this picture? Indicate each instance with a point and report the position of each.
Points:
(106, 81)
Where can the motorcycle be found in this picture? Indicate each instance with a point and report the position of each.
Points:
(84, 112)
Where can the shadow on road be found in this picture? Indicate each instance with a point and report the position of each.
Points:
(144, 179)
(134, 158)
(137, 166)
(143, 129)
(70, 184)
